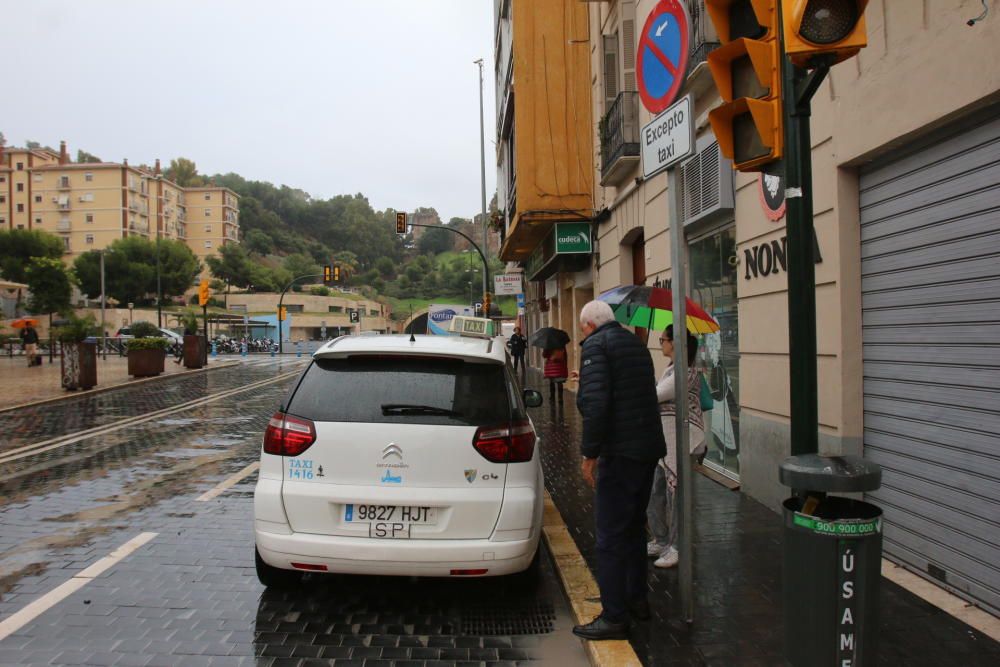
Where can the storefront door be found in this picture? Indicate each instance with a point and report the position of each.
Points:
(713, 285)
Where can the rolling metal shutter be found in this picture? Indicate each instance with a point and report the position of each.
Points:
(930, 283)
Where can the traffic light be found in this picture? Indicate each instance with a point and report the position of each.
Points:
(203, 293)
(401, 223)
(486, 305)
(336, 274)
(817, 27)
(282, 314)
(327, 274)
(747, 73)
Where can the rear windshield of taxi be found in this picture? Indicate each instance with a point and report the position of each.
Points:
(403, 390)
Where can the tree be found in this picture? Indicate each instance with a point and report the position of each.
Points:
(130, 269)
(258, 242)
(19, 246)
(184, 173)
(50, 285)
(435, 241)
(85, 157)
(385, 267)
(301, 265)
(232, 265)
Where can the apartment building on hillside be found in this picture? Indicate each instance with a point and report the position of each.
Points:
(90, 205)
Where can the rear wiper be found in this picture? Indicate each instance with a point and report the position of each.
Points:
(408, 409)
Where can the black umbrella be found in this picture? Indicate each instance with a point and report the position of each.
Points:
(549, 338)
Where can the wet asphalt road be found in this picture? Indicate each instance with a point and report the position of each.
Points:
(189, 595)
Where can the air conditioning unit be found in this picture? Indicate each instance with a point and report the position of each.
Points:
(706, 184)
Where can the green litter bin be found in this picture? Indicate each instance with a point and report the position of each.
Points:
(832, 559)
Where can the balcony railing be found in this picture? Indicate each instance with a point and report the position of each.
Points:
(620, 138)
(64, 183)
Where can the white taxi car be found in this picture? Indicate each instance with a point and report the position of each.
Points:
(400, 455)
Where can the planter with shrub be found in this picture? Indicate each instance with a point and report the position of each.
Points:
(195, 349)
(146, 351)
(78, 359)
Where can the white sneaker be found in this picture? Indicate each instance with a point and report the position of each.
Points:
(654, 548)
(668, 558)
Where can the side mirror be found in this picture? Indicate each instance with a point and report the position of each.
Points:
(532, 398)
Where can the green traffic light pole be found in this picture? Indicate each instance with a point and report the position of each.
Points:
(281, 300)
(797, 90)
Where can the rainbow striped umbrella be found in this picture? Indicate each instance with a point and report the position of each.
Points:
(653, 308)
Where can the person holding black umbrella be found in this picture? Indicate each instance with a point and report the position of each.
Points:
(553, 343)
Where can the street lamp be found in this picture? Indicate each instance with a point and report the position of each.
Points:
(482, 166)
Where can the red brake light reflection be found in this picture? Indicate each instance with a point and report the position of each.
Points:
(287, 435)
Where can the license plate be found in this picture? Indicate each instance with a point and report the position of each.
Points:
(390, 514)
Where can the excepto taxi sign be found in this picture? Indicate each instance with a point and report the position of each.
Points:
(668, 138)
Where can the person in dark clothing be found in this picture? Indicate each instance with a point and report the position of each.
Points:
(29, 339)
(622, 441)
(517, 344)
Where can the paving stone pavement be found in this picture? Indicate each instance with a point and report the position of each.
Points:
(738, 605)
(191, 597)
(82, 411)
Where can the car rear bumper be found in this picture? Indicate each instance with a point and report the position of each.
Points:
(421, 558)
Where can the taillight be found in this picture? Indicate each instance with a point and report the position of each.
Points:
(287, 435)
(506, 444)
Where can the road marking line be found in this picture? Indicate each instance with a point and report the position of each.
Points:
(35, 609)
(62, 441)
(232, 480)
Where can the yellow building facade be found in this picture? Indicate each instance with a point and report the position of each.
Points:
(90, 205)
(545, 155)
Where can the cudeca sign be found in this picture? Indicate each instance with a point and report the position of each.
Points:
(573, 238)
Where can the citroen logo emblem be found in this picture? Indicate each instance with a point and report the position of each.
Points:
(392, 449)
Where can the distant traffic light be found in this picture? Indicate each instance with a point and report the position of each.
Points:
(747, 73)
(282, 314)
(203, 293)
(814, 27)
(336, 273)
(401, 223)
(327, 274)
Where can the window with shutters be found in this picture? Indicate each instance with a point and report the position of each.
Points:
(610, 70)
(628, 45)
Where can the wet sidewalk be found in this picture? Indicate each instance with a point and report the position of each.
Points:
(737, 551)
(22, 384)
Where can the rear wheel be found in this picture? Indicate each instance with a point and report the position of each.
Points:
(274, 577)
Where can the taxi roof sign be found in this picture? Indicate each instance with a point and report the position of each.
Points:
(473, 327)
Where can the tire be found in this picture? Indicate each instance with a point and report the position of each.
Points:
(274, 577)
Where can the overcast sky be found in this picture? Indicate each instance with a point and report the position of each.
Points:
(331, 96)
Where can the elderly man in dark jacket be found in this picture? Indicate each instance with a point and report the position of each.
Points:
(622, 441)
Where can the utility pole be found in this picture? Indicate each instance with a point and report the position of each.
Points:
(482, 170)
(159, 289)
(104, 333)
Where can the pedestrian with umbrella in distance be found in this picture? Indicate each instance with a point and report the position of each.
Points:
(29, 338)
(553, 343)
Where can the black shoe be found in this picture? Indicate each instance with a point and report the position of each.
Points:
(640, 611)
(600, 628)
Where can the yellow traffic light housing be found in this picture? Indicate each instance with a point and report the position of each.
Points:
(336, 274)
(327, 274)
(282, 314)
(819, 27)
(747, 72)
(203, 293)
(401, 223)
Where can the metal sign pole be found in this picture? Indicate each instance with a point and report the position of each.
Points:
(685, 481)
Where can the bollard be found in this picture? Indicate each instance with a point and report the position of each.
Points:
(215, 352)
(298, 348)
(273, 348)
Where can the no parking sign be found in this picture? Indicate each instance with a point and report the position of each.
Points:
(662, 58)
